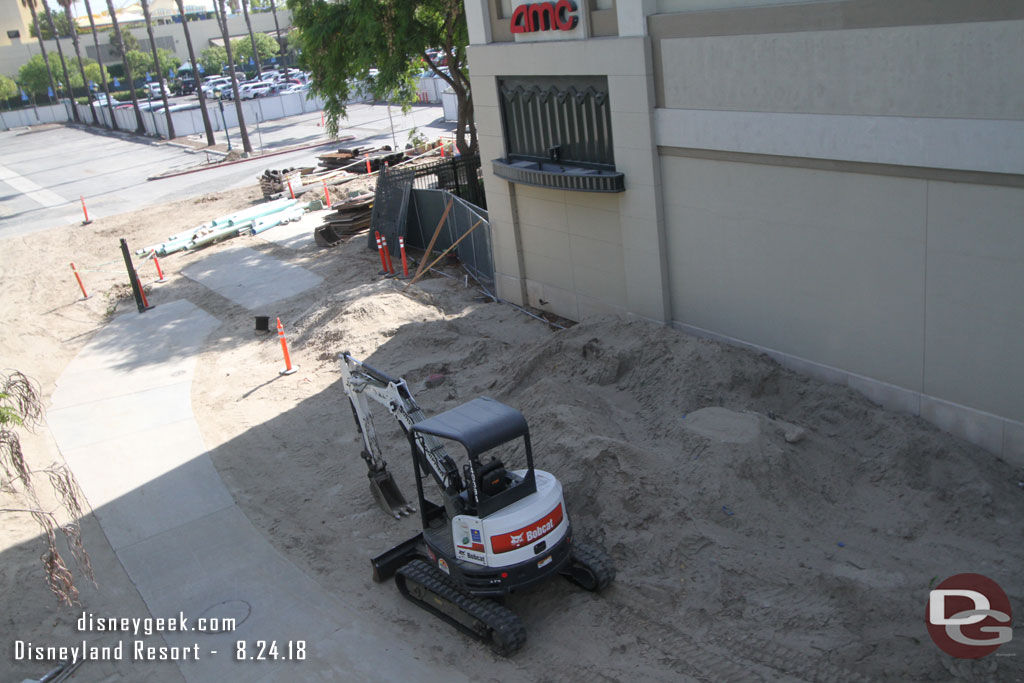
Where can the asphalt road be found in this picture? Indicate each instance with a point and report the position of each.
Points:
(45, 171)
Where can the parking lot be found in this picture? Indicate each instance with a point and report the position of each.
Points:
(48, 170)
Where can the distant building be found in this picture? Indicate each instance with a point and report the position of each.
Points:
(160, 11)
(15, 22)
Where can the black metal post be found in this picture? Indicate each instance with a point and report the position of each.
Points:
(132, 277)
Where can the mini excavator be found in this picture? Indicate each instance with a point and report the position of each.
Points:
(496, 531)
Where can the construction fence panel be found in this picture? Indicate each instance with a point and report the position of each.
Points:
(459, 175)
(188, 122)
(105, 116)
(411, 200)
(125, 118)
(271, 108)
(34, 115)
(474, 252)
(155, 123)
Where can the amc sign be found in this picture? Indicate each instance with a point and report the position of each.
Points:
(545, 16)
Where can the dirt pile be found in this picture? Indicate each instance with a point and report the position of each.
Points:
(748, 502)
(765, 526)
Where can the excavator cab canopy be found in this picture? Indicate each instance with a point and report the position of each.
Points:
(479, 426)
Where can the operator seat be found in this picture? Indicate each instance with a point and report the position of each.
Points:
(492, 478)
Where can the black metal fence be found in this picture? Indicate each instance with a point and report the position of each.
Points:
(410, 201)
(459, 175)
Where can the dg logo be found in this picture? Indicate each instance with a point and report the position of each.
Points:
(968, 616)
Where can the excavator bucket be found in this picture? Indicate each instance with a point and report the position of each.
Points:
(385, 490)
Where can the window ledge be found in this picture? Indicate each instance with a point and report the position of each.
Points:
(559, 176)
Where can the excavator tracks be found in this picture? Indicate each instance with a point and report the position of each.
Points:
(483, 619)
(590, 567)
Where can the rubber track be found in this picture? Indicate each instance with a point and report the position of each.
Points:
(597, 561)
(505, 631)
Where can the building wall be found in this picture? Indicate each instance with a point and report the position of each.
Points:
(910, 282)
(844, 189)
(14, 17)
(573, 253)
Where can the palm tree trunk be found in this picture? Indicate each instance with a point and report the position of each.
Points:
(277, 28)
(252, 39)
(66, 4)
(159, 71)
(223, 19)
(103, 72)
(195, 74)
(140, 125)
(63, 64)
(42, 46)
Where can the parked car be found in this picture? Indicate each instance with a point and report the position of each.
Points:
(101, 99)
(252, 90)
(214, 87)
(156, 89)
(186, 86)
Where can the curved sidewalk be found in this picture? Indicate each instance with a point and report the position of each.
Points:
(122, 418)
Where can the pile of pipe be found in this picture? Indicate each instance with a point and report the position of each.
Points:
(246, 222)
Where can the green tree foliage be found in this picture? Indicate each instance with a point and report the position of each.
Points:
(266, 46)
(60, 21)
(168, 61)
(32, 75)
(213, 59)
(8, 88)
(342, 41)
(142, 62)
(131, 43)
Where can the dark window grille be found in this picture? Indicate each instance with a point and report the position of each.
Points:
(563, 118)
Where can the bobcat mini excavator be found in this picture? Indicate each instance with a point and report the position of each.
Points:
(495, 531)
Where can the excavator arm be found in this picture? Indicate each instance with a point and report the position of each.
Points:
(362, 382)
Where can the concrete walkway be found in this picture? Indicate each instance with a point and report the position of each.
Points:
(122, 418)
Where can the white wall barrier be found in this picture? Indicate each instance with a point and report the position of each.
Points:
(34, 116)
(186, 122)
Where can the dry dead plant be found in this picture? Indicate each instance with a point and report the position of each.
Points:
(21, 408)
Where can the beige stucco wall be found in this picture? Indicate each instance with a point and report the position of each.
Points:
(901, 281)
(825, 266)
(14, 17)
(974, 308)
(949, 70)
(575, 253)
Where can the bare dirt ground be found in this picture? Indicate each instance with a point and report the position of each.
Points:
(765, 526)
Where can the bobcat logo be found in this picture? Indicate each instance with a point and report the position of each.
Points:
(516, 540)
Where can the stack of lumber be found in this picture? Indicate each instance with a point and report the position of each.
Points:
(353, 159)
(349, 218)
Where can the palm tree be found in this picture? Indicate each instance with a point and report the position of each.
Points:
(140, 126)
(66, 4)
(277, 27)
(31, 4)
(63, 64)
(159, 70)
(103, 72)
(223, 19)
(252, 38)
(195, 74)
